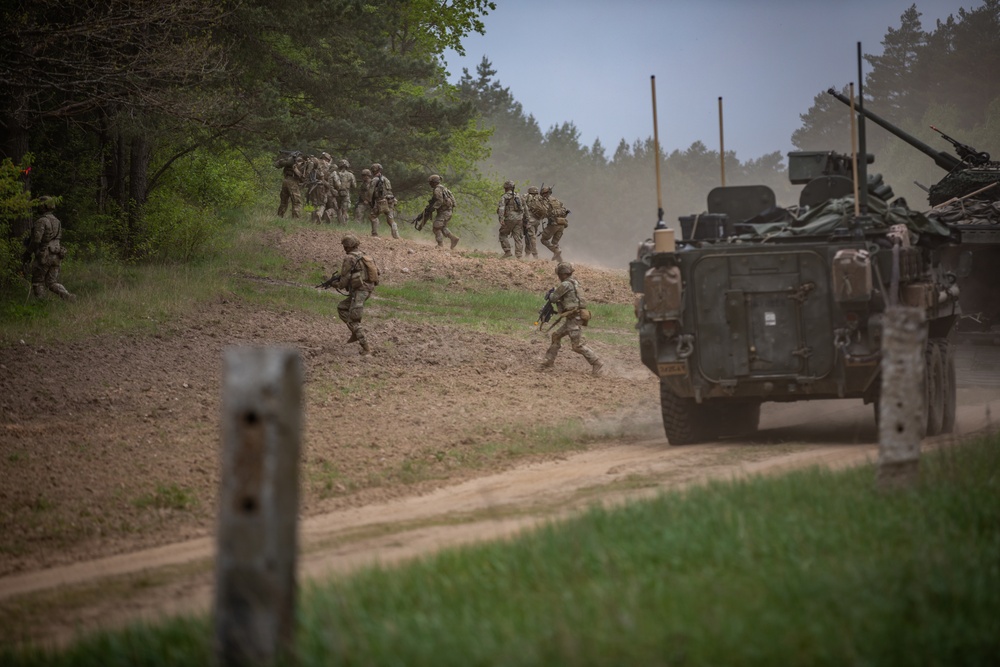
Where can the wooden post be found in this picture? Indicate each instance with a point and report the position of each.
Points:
(255, 590)
(902, 402)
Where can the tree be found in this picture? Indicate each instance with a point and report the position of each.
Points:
(889, 85)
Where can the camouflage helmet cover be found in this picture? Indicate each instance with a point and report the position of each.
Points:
(508, 185)
(47, 203)
(344, 163)
(366, 172)
(546, 189)
(564, 268)
(376, 167)
(533, 190)
(350, 242)
(434, 179)
(326, 156)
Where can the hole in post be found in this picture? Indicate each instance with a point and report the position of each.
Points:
(250, 417)
(249, 504)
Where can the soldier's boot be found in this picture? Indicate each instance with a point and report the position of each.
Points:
(365, 350)
(506, 255)
(597, 368)
(454, 241)
(550, 358)
(395, 230)
(63, 292)
(353, 338)
(557, 257)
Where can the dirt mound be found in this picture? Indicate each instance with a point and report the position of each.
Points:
(111, 444)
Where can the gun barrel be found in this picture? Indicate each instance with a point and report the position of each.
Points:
(944, 160)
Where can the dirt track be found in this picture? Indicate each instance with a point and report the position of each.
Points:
(113, 416)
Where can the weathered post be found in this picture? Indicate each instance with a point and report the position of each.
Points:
(902, 402)
(258, 505)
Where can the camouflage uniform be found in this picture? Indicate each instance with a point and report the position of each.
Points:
(556, 223)
(292, 176)
(531, 222)
(442, 210)
(511, 214)
(566, 298)
(383, 202)
(362, 208)
(353, 278)
(318, 187)
(47, 252)
(332, 186)
(347, 182)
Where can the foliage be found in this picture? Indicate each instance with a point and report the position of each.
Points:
(15, 204)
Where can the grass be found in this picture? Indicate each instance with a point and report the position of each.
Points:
(812, 568)
(167, 496)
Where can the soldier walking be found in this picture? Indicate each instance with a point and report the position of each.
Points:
(573, 315)
(382, 201)
(555, 213)
(356, 277)
(362, 208)
(441, 206)
(45, 251)
(345, 183)
(292, 166)
(531, 222)
(511, 213)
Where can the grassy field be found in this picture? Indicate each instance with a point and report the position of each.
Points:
(812, 568)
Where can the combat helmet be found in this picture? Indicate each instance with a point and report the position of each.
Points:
(344, 164)
(376, 168)
(350, 242)
(326, 156)
(47, 203)
(564, 269)
(533, 190)
(434, 179)
(508, 185)
(366, 172)
(546, 190)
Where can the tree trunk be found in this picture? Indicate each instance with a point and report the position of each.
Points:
(139, 154)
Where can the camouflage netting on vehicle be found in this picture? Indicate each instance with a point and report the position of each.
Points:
(968, 212)
(964, 182)
(836, 213)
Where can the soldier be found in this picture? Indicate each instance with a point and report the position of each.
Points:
(292, 166)
(332, 186)
(568, 302)
(45, 251)
(361, 208)
(356, 277)
(346, 183)
(441, 206)
(555, 224)
(382, 201)
(511, 214)
(318, 187)
(531, 222)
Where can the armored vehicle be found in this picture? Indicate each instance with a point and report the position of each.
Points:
(760, 303)
(967, 201)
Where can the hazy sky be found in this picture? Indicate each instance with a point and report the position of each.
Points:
(590, 62)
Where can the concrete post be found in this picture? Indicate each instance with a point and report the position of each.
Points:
(902, 402)
(258, 505)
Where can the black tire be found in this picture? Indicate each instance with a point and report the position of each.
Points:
(934, 372)
(950, 386)
(685, 422)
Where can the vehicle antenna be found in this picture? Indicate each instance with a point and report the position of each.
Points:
(656, 147)
(722, 146)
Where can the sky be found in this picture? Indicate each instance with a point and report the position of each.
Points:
(590, 61)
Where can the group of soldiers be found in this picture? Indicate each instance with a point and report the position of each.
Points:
(538, 215)
(330, 189)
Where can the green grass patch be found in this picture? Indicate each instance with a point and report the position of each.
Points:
(167, 496)
(812, 568)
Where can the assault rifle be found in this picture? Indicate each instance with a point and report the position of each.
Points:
(422, 218)
(546, 312)
(965, 151)
(327, 284)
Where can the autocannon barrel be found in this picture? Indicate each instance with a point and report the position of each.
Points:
(944, 160)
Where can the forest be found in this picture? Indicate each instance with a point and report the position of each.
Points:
(156, 123)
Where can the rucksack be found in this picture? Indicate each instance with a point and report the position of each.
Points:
(448, 197)
(371, 269)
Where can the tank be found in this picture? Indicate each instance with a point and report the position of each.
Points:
(757, 302)
(967, 201)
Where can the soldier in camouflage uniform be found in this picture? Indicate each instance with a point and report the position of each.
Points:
(354, 278)
(531, 222)
(318, 187)
(361, 209)
(569, 303)
(441, 206)
(332, 179)
(46, 252)
(292, 174)
(346, 183)
(555, 224)
(382, 201)
(511, 213)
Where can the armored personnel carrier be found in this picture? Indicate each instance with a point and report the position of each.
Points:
(967, 201)
(758, 303)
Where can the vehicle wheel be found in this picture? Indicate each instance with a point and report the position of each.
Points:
(685, 422)
(935, 389)
(738, 418)
(950, 385)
